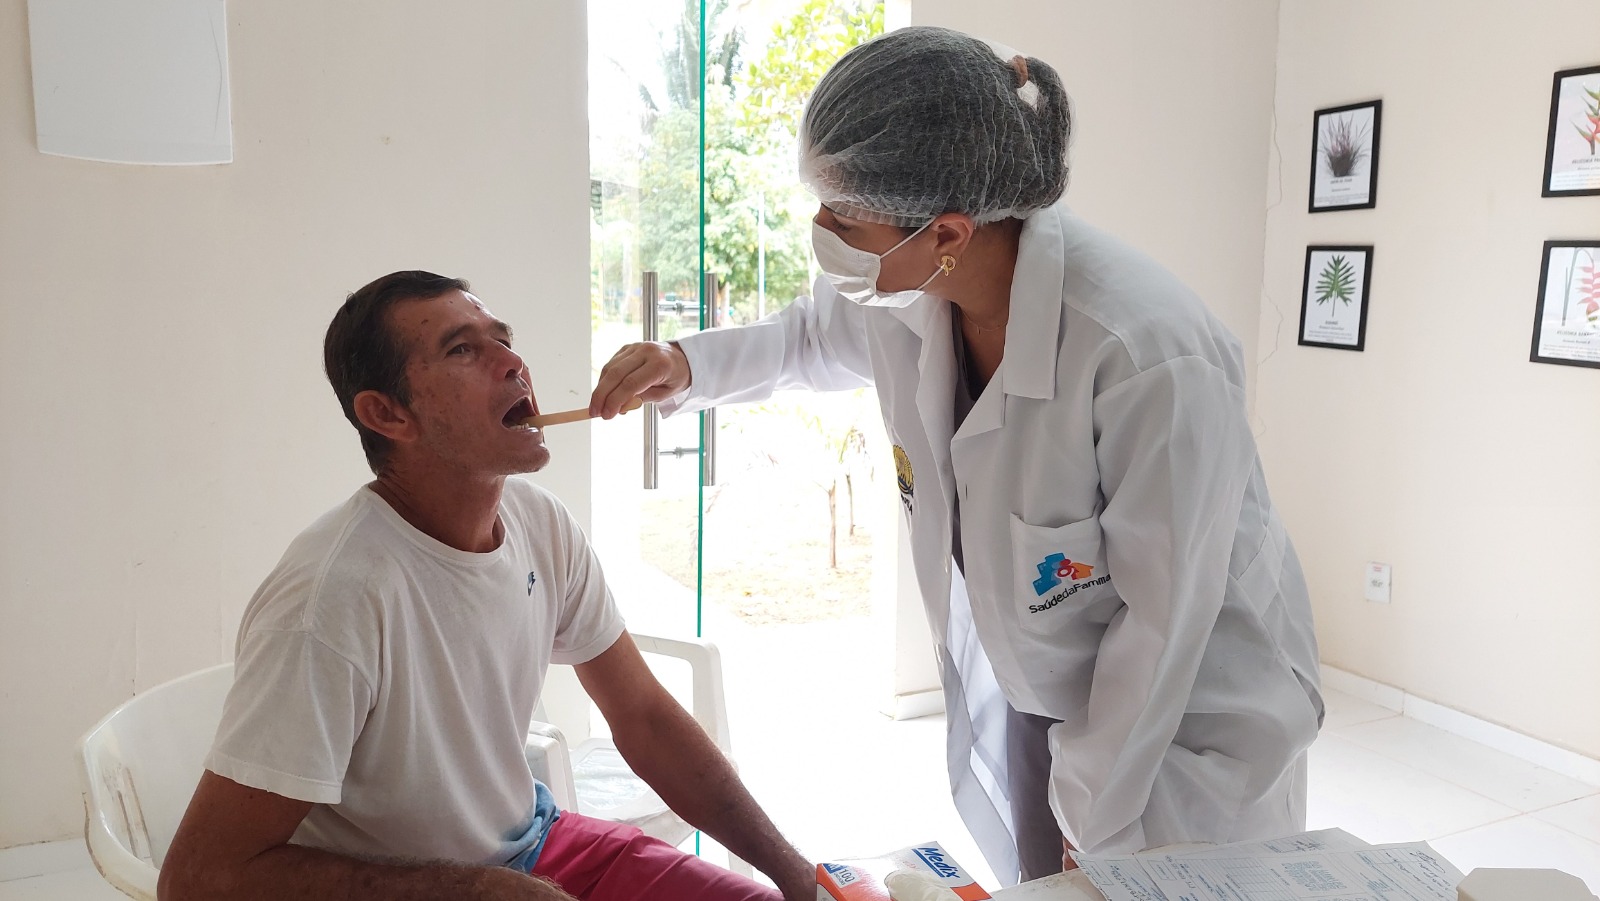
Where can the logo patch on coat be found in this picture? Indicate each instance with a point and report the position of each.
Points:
(1056, 569)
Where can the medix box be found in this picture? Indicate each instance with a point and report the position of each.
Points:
(862, 880)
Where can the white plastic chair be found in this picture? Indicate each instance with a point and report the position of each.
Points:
(594, 780)
(141, 763)
(140, 767)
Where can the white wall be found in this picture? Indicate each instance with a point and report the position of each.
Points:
(1173, 104)
(166, 425)
(1441, 450)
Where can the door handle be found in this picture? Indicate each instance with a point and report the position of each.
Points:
(708, 419)
(647, 301)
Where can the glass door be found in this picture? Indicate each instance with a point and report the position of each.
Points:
(697, 221)
(771, 529)
(646, 91)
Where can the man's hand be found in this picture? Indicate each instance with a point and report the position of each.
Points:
(649, 370)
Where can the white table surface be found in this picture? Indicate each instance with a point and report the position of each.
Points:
(1073, 886)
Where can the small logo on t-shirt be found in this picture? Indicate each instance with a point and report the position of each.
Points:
(531, 579)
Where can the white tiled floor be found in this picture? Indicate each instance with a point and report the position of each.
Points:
(1383, 800)
(76, 885)
(1380, 776)
(812, 764)
(1581, 817)
(1391, 778)
(1504, 779)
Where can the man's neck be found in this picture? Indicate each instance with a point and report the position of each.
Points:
(461, 512)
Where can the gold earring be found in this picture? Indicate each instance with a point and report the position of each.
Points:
(947, 264)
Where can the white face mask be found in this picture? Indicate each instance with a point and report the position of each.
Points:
(854, 272)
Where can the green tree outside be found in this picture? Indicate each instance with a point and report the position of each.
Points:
(752, 113)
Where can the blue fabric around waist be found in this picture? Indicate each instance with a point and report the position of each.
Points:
(545, 815)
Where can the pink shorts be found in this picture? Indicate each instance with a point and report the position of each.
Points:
(597, 860)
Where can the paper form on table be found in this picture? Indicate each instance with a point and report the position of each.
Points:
(1330, 865)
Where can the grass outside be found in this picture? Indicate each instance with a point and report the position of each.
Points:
(767, 521)
(766, 561)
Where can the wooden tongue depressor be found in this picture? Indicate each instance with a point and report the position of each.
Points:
(544, 419)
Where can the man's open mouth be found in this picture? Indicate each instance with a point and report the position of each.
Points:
(517, 416)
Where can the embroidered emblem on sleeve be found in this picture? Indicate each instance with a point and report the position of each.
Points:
(905, 479)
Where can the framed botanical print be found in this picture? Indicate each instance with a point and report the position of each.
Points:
(1572, 148)
(1566, 321)
(1333, 297)
(1344, 157)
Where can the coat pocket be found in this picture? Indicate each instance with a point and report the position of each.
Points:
(1056, 571)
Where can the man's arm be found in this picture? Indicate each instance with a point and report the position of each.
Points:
(664, 745)
(233, 845)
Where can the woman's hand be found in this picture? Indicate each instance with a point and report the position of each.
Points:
(1067, 863)
(649, 370)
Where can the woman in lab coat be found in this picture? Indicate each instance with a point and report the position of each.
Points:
(1121, 623)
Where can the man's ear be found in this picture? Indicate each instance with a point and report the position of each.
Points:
(383, 414)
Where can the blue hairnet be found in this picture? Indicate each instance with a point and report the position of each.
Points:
(924, 121)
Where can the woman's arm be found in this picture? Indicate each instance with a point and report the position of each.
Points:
(1175, 454)
(818, 343)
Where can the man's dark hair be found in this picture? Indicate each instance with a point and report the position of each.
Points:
(361, 352)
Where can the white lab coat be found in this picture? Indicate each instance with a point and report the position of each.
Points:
(1115, 435)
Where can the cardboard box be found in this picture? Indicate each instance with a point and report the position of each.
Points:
(862, 880)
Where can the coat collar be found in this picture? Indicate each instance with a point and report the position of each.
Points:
(936, 382)
(1033, 332)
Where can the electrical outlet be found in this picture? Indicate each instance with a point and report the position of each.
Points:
(1379, 577)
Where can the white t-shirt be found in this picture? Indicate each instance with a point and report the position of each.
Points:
(390, 678)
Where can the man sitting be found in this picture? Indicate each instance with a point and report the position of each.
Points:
(387, 669)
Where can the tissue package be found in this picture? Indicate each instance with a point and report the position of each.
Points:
(862, 880)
